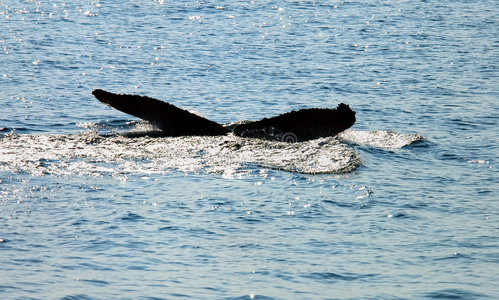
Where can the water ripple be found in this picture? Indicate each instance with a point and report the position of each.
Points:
(456, 294)
(331, 277)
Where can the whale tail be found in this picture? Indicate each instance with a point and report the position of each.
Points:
(173, 121)
(301, 125)
(294, 126)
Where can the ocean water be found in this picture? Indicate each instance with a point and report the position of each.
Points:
(404, 205)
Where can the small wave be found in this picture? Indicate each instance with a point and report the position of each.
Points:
(329, 276)
(95, 282)
(6, 130)
(77, 297)
(379, 138)
(131, 217)
(118, 126)
(454, 294)
(251, 297)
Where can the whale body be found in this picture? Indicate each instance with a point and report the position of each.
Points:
(294, 126)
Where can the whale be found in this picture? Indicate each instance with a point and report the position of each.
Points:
(294, 126)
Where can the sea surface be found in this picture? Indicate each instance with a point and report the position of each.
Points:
(404, 205)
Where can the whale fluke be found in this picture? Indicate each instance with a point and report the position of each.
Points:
(301, 125)
(173, 121)
(294, 126)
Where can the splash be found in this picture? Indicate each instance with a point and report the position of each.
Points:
(379, 138)
(96, 155)
(141, 151)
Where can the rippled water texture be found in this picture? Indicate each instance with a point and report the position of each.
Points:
(402, 206)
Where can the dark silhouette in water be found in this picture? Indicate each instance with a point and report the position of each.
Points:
(172, 120)
(294, 126)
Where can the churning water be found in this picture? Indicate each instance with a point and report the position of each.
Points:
(404, 205)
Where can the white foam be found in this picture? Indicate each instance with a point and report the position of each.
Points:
(117, 155)
(379, 138)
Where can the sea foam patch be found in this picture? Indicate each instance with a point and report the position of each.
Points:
(136, 152)
(385, 139)
(92, 154)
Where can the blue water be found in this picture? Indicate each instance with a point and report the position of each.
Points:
(417, 222)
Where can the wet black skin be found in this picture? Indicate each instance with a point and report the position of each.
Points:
(294, 126)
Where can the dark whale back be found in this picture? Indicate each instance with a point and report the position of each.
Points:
(173, 121)
(294, 126)
(301, 125)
